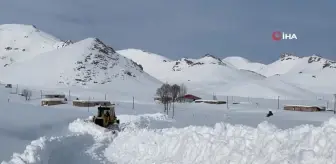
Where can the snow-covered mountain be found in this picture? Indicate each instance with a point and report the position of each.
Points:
(84, 63)
(313, 73)
(21, 42)
(242, 63)
(209, 74)
(32, 57)
(287, 63)
(207, 69)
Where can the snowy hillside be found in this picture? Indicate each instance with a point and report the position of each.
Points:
(207, 69)
(21, 42)
(208, 75)
(85, 62)
(34, 58)
(312, 73)
(242, 63)
(289, 63)
(155, 65)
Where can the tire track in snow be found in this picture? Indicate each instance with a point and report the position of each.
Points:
(85, 144)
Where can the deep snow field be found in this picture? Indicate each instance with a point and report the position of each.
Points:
(198, 133)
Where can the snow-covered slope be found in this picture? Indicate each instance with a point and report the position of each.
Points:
(317, 81)
(288, 63)
(313, 73)
(242, 63)
(234, 76)
(21, 42)
(207, 69)
(29, 53)
(154, 64)
(85, 62)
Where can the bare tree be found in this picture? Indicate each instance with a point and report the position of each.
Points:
(183, 90)
(27, 94)
(164, 93)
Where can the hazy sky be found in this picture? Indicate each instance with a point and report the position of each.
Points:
(188, 28)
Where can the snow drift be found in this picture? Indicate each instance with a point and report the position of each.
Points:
(225, 143)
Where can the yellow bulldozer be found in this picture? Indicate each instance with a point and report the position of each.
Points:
(106, 118)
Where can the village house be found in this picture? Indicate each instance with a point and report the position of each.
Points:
(210, 101)
(185, 98)
(304, 108)
(53, 99)
(90, 103)
(8, 86)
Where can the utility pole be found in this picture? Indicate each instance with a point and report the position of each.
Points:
(278, 102)
(327, 104)
(17, 88)
(89, 104)
(41, 94)
(105, 96)
(133, 103)
(69, 95)
(334, 103)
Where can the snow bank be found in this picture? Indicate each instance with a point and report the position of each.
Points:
(30, 154)
(225, 143)
(104, 137)
(34, 151)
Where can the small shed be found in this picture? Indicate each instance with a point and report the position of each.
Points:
(210, 101)
(8, 86)
(51, 96)
(90, 103)
(304, 108)
(52, 101)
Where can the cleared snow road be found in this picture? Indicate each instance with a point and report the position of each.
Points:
(84, 143)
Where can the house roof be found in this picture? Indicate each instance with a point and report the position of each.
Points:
(190, 96)
(306, 106)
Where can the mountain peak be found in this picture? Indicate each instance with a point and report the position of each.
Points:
(100, 46)
(211, 56)
(211, 59)
(288, 56)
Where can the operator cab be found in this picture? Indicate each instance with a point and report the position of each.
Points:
(106, 110)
